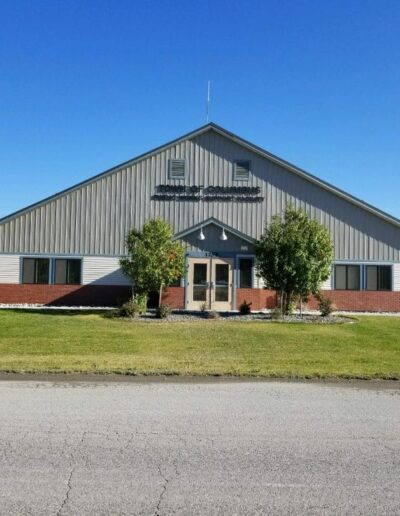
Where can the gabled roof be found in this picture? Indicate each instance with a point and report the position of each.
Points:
(240, 141)
(215, 222)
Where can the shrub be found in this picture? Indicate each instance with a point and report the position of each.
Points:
(245, 308)
(325, 305)
(203, 307)
(128, 309)
(212, 314)
(134, 307)
(163, 311)
(276, 314)
(110, 314)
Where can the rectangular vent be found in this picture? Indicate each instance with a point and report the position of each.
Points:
(241, 170)
(177, 168)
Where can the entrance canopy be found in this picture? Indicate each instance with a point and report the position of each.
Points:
(214, 236)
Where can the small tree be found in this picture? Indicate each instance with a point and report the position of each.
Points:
(154, 260)
(294, 256)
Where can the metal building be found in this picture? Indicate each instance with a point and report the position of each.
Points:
(218, 191)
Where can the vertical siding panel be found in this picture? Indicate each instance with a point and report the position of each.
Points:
(67, 225)
(78, 222)
(15, 234)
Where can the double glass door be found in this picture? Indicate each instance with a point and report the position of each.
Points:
(209, 284)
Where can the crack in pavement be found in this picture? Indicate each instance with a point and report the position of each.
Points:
(69, 485)
(163, 491)
(165, 485)
(66, 497)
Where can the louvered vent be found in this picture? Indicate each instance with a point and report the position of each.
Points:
(177, 168)
(241, 170)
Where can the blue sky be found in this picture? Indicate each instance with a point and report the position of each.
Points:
(85, 85)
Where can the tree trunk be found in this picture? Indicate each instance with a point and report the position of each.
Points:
(160, 295)
(288, 302)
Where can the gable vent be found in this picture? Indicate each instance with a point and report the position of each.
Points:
(177, 168)
(241, 170)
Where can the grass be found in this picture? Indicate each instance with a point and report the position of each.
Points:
(89, 342)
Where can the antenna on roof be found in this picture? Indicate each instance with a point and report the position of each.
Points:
(208, 100)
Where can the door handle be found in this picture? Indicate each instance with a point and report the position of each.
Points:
(212, 285)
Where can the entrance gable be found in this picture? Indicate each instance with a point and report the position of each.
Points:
(213, 232)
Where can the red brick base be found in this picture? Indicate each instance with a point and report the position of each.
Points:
(78, 295)
(259, 298)
(66, 295)
(174, 297)
(361, 300)
(110, 295)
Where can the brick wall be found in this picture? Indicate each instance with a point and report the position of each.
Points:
(174, 297)
(344, 300)
(109, 295)
(79, 295)
(361, 300)
(67, 295)
(259, 298)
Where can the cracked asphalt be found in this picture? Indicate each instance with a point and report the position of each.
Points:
(157, 448)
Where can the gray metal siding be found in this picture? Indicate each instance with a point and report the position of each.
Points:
(94, 218)
(10, 266)
(102, 271)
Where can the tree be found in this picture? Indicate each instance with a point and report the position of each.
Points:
(154, 260)
(294, 256)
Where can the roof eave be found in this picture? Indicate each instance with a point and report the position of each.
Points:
(308, 176)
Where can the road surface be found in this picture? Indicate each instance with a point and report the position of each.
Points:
(198, 448)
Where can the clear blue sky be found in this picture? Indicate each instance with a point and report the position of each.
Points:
(85, 85)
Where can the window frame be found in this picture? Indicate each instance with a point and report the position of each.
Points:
(67, 259)
(170, 174)
(378, 286)
(35, 260)
(347, 265)
(239, 276)
(235, 163)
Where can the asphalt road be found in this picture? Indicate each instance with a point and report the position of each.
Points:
(198, 448)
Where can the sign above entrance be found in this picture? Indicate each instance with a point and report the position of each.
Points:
(209, 193)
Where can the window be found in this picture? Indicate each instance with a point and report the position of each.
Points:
(177, 169)
(379, 277)
(67, 272)
(347, 277)
(245, 272)
(35, 270)
(200, 285)
(241, 170)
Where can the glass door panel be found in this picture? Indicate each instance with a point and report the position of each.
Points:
(221, 282)
(200, 283)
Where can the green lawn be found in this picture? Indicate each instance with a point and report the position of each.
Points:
(54, 342)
